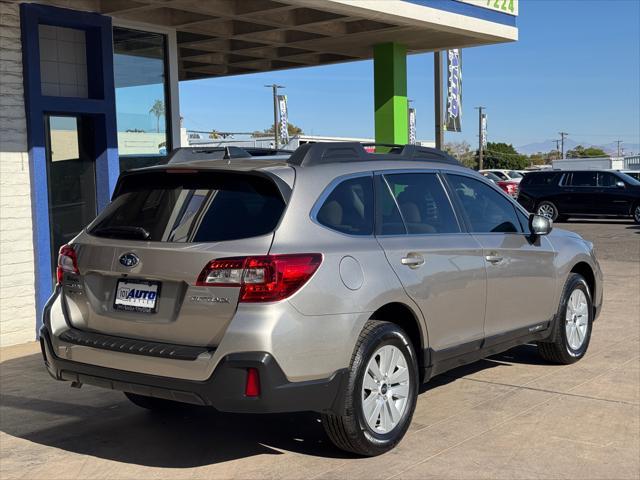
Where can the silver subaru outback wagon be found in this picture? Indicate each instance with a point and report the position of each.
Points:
(333, 280)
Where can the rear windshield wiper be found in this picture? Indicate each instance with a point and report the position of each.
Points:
(122, 232)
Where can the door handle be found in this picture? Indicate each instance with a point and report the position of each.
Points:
(412, 260)
(493, 258)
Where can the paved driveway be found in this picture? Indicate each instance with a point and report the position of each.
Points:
(511, 416)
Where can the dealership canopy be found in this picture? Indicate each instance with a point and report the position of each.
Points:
(230, 37)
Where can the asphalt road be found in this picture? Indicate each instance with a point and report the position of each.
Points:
(511, 416)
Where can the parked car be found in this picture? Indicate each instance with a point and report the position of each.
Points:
(505, 174)
(508, 186)
(632, 173)
(336, 281)
(561, 194)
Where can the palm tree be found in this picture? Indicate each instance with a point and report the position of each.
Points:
(158, 111)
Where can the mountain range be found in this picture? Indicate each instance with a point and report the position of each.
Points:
(550, 145)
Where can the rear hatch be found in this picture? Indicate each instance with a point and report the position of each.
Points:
(140, 260)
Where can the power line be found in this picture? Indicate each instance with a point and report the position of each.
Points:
(562, 135)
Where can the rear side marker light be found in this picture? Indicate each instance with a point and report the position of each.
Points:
(252, 387)
(67, 262)
(267, 278)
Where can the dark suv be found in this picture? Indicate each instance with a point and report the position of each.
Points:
(560, 194)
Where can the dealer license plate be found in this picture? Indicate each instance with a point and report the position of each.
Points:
(137, 296)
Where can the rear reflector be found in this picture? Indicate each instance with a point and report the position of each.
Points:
(67, 262)
(261, 279)
(252, 388)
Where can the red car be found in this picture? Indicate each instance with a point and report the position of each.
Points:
(509, 186)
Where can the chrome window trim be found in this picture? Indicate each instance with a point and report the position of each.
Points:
(328, 190)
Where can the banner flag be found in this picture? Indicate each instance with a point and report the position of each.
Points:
(483, 129)
(453, 121)
(283, 119)
(412, 126)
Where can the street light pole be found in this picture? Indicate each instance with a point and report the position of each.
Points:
(480, 159)
(275, 88)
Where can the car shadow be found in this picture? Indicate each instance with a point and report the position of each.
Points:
(634, 227)
(103, 424)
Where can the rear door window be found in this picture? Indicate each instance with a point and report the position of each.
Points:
(191, 207)
(583, 179)
(423, 203)
(349, 207)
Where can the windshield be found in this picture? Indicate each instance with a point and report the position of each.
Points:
(514, 174)
(629, 179)
(491, 176)
(191, 207)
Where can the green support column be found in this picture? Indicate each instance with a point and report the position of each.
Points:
(390, 93)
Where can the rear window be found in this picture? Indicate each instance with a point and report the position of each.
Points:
(349, 207)
(546, 178)
(191, 207)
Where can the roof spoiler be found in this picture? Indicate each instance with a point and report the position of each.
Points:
(343, 152)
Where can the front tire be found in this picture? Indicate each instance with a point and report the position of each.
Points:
(549, 210)
(381, 392)
(574, 320)
(636, 214)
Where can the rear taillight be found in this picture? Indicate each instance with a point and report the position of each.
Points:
(67, 262)
(261, 279)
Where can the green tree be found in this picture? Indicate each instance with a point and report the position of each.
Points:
(158, 110)
(503, 155)
(268, 132)
(586, 152)
(462, 152)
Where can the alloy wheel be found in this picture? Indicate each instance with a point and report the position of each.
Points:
(577, 319)
(547, 210)
(636, 214)
(385, 389)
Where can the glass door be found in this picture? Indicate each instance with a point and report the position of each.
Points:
(71, 179)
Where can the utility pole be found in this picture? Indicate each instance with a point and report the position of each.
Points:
(618, 142)
(562, 135)
(275, 88)
(480, 137)
(437, 89)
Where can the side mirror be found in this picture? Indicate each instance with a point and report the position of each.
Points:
(539, 225)
(620, 184)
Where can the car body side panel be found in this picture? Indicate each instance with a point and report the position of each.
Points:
(521, 288)
(450, 287)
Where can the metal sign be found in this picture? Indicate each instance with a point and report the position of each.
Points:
(412, 126)
(505, 6)
(483, 130)
(283, 119)
(453, 121)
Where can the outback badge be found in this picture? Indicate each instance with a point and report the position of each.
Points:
(129, 260)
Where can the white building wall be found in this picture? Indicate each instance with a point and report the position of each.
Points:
(17, 295)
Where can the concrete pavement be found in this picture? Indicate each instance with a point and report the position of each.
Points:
(511, 416)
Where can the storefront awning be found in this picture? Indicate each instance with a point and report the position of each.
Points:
(231, 37)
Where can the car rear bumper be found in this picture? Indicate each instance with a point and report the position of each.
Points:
(224, 390)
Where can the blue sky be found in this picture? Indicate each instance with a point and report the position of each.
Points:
(576, 68)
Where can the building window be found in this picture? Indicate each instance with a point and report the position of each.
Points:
(63, 61)
(140, 66)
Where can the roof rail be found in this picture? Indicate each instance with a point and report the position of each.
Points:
(322, 153)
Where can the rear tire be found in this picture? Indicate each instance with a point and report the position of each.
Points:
(154, 404)
(549, 210)
(378, 408)
(572, 328)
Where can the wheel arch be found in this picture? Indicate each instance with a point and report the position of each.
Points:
(584, 269)
(406, 318)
